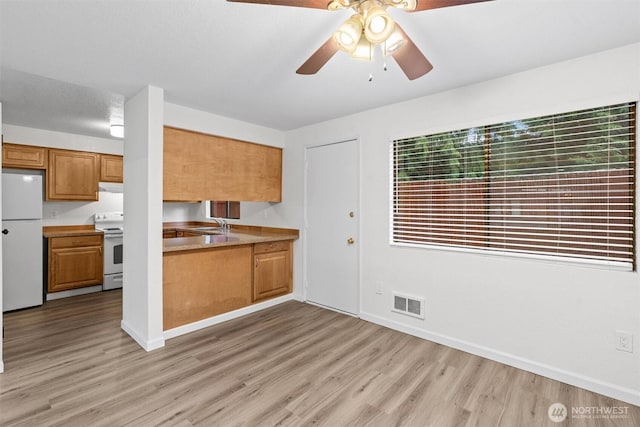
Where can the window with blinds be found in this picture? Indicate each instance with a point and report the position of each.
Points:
(560, 185)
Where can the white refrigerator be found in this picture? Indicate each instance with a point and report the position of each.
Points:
(21, 240)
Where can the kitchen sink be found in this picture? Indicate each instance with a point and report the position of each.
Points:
(209, 230)
(219, 238)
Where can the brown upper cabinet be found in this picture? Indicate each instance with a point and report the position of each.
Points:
(72, 175)
(111, 169)
(23, 156)
(198, 167)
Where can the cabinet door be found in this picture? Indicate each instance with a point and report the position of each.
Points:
(72, 268)
(72, 175)
(111, 168)
(198, 167)
(271, 274)
(23, 156)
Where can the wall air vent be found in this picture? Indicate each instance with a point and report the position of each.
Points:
(411, 306)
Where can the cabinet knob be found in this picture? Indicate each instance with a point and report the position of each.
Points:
(5, 231)
(350, 241)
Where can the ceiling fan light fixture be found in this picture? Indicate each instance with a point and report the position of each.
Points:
(378, 25)
(340, 4)
(364, 50)
(349, 34)
(393, 43)
(404, 4)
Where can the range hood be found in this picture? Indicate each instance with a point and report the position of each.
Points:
(111, 187)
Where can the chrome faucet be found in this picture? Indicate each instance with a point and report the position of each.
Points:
(222, 223)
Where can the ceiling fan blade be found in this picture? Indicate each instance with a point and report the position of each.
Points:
(410, 59)
(436, 4)
(319, 57)
(315, 4)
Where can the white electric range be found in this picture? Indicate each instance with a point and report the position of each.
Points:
(112, 225)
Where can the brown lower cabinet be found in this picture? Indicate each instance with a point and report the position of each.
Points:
(74, 262)
(199, 284)
(272, 273)
(203, 283)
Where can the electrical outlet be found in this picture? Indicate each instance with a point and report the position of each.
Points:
(624, 341)
(54, 214)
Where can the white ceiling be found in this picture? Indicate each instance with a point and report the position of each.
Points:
(67, 64)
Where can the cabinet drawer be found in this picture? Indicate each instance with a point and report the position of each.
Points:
(260, 248)
(169, 234)
(75, 241)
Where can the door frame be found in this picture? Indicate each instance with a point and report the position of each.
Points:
(306, 219)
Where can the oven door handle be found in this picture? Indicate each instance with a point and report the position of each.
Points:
(113, 236)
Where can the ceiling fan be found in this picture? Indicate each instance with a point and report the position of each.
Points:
(370, 26)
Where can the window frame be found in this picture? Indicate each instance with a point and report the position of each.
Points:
(560, 258)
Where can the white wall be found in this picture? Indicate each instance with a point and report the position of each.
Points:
(47, 138)
(142, 263)
(550, 318)
(80, 213)
(172, 211)
(200, 121)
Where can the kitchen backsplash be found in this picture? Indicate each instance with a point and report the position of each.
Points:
(182, 212)
(79, 213)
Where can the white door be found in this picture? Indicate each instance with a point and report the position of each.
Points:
(332, 202)
(21, 264)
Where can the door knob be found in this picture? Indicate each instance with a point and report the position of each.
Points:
(5, 231)
(350, 241)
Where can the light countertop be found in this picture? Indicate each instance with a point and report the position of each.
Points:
(238, 235)
(69, 231)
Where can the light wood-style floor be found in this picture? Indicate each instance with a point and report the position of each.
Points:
(69, 364)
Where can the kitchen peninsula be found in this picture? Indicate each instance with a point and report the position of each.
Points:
(210, 272)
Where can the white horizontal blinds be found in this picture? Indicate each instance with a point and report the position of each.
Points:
(558, 185)
(564, 184)
(440, 190)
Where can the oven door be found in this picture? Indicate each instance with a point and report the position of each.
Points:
(112, 254)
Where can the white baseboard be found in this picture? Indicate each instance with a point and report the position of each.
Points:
(201, 324)
(612, 390)
(147, 345)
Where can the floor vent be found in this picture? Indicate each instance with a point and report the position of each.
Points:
(411, 306)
